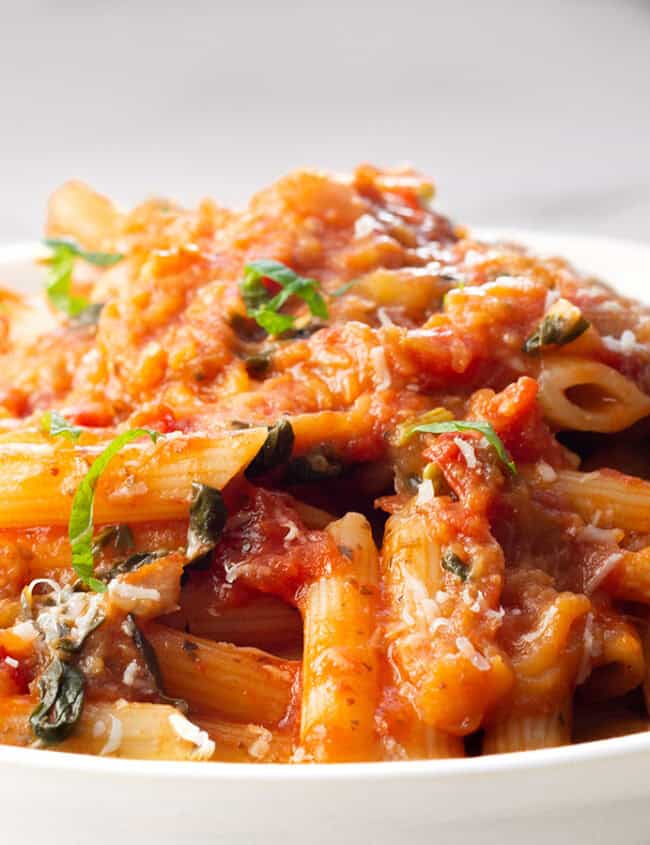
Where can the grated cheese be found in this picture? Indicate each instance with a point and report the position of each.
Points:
(467, 451)
(11, 661)
(608, 565)
(292, 530)
(467, 649)
(115, 734)
(378, 359)
(546, 472)
(260, 747)
(426, 492)
(384, 318)
(587, 652)
(130, 673)
(25, 631)
(365, 225)
(130, 592)
(593, 534)
(190, 732)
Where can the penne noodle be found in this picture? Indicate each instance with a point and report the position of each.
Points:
(142, 483)
(237, 743)
(584, 395)
(264, 622)
(243, 684)
(340, 662)
(529, 732)
(606, 496)
(117, 729)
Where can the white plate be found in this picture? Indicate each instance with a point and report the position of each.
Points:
(580, 794)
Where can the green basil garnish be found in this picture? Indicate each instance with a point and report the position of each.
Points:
(150, 660)
(61, 263)
(482, 427)
(264, 307)
(56, 425)
(562, 324)
(208, 516)
(317, 465)
(61, 693)
(80, 527)
(452, 563)
(276, 449)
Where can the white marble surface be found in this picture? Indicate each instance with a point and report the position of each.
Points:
(532, 114)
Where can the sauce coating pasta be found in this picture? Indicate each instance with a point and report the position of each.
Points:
(323, 480)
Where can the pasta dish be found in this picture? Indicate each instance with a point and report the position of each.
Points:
(322, 480)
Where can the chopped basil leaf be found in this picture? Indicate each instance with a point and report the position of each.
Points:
(317, 465)
(61, 262)
(120, 536)
(151, 662)
(136, 561)
(562, 324)
(482, 427)
(406, 430)
(90, 315)
(345, 288)
(264, 307)
(258, 365)
(55, 424)
(276, 449)
(452, 563)
(208, 516)
(61, 693)
(80, 527)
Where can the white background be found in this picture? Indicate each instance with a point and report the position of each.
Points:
(526, 113)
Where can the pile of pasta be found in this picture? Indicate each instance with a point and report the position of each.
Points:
(321, 480)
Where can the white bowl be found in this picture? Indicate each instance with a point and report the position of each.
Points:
(579, 794)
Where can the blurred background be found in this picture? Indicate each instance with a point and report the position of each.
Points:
(532, 114)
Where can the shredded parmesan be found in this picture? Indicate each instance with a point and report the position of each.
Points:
(467, 451)
(466, 648)
(546, 472)
(438, 623)
(26, 631)
(426, 492)
(260, 747)
(608, 565)
(365, 225)
(628, 341)
(292, 530)
(551, 297)
(114, 739)
(11, 661)
(378, 358)
(190, 732)
(130, 673)
(593, 534)
(130, 592)
(384, 317)
(587, 651)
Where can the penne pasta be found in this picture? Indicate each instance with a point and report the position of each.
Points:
(116, 729)
(529, 732)
(237, 743)
(264, 622)
(606, 497)
(340, 686)
(584, 395)
(144, 482)
(243, 684)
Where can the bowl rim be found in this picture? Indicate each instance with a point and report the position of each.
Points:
(604, 750)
